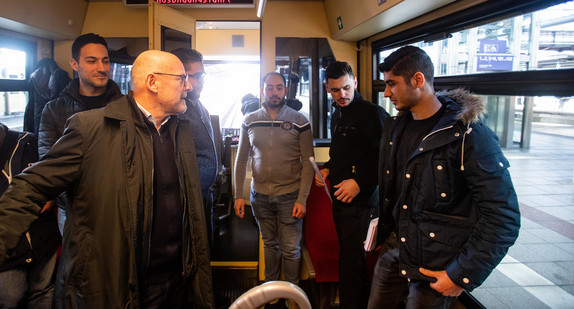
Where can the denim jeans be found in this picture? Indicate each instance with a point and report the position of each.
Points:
(61, 220)
(28, 284)
(281, 234)
(389, 289)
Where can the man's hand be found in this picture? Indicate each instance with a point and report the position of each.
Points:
(443, 284)
(299, 211)
(325, 174)
(239, 207)
(348, 189)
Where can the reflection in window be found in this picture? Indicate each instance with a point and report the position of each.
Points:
(120, 73)
(12, 64)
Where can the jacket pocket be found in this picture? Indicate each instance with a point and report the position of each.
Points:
(493, 163)
(441, 181)
(440, 239)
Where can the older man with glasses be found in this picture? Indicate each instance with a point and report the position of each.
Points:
(136, 233)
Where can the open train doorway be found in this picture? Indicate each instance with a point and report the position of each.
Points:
(231, 51)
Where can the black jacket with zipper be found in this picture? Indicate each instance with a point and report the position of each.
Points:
(18, 150)
(355, 138)
(457, 209)
(105, 159)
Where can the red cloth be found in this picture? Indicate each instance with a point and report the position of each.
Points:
(320, 235)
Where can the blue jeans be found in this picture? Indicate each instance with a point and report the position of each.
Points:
(281, 234)
(389, 289)
(28, 284)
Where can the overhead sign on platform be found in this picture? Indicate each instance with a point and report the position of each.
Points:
(493, 56)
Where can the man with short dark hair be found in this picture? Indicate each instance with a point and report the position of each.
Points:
(202, 131)
(93, 88)
(135, 235)
(280, 143)
(356, 127)
(448, 209)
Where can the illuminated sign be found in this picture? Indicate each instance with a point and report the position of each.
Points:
(195, 3)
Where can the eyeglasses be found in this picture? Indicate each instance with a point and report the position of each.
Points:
(181, 78)
(197, 76)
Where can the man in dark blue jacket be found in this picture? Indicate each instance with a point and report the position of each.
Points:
(356, 128)
(202, 130)
(448, 209)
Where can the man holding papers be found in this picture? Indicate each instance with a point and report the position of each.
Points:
(356, 128)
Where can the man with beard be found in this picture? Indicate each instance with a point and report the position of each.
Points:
(93, 88)
(202, 130)
(448, 209)
(356, 128)
(280, 142)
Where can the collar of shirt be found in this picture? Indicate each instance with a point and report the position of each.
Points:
(150, 118)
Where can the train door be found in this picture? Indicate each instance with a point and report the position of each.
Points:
(169, 28)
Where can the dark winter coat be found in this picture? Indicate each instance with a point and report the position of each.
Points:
(106, 159)
(57, 111)
(45, 84)
(457, 210)
(18, 150)
(355, 138)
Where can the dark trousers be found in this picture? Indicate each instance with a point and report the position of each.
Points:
(166, 295)
(351, 223)
(391, 290)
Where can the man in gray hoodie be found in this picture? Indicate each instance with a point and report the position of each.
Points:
(280, 142)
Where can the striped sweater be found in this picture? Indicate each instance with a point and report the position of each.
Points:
(280, 149)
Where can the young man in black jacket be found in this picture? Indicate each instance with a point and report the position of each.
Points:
(448, 209)
(356, 128)
(93, 88)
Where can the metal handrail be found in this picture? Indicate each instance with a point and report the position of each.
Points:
(266, 292)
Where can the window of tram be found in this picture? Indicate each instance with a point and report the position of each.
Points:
(535, 41)
(12, 103)
(539, 40)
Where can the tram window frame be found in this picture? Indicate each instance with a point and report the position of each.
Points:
(538, 82)
(29, 48)
(14, 86)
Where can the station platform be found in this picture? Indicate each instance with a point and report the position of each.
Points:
(538, 271)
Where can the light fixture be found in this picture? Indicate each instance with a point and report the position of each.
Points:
(261, 8)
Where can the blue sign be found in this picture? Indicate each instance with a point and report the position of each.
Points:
(493, 62)
(492, 47)
(493, 56)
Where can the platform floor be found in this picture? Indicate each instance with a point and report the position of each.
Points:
(538, 271)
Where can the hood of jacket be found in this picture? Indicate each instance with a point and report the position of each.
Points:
(472, 106)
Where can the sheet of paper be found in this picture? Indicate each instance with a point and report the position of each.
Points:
(371, 240)
(316, 168)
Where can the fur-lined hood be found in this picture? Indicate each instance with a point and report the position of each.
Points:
(472, 106)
